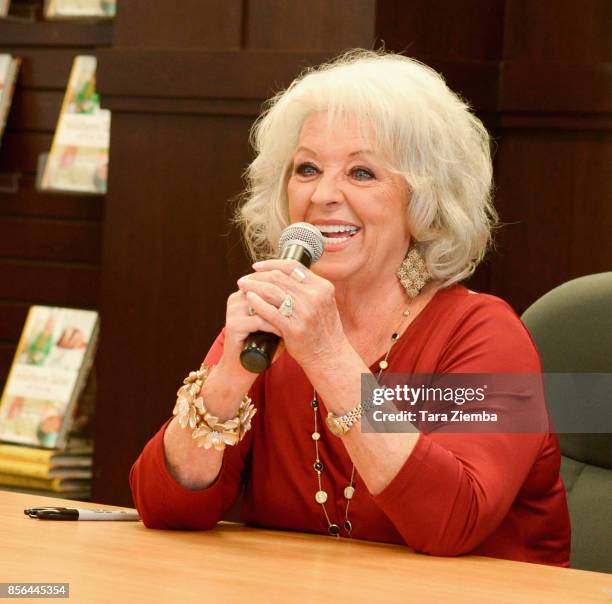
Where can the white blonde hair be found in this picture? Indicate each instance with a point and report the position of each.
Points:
(427, 132)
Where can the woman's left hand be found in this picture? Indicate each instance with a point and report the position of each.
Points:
(313, 331)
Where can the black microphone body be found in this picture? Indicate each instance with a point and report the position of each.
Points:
(260, 347)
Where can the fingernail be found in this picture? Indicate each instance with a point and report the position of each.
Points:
(257, 264)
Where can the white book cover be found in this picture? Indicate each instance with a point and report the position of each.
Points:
(78, 160)
(47, 376)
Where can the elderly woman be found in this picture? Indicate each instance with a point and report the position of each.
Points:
(377, 153)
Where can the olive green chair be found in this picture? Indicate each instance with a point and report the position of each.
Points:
(572, 328)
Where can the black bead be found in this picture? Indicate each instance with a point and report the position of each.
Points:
(334, 530)
(348, 527)
(395, 336)
(315, 403)
(318, 466)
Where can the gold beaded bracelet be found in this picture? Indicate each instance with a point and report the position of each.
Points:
(207, 429)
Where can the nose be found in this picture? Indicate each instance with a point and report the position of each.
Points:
(328, 190)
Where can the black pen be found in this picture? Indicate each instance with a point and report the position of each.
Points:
(59, 513)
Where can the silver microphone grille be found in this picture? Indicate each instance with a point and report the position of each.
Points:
(304, 234)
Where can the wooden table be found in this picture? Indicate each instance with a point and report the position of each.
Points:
(125, 562)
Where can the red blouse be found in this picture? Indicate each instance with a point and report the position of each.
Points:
(489, 494)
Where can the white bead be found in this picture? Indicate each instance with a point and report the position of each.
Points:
(316, 436)
(349, 492)
(320, 496)
(383, 364)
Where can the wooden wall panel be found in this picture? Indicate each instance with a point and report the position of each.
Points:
(54, 33)
(163, 300)
(563, 31)
(29, 202)
(544, 244)
(20, 149)
(44, 67)
(36, 239)
(252, 75)
(36, 109)
(463, 30)
(12, 318)
(278, 24)
(53, 283)
(188, 24)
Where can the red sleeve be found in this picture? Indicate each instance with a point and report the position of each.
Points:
(454, 490)
(163, 503)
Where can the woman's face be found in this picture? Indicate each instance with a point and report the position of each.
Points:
(339, 184)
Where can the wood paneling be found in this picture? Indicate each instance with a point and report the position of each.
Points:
(229, 75)
(556, 88)
(45, 68)
(458, 30)
(185, 24)
(563, 31)
(29, 202)
(278, 24)
(35, 110)
(44, 239)
(7, 352)
(12, 320)
(59, 284)
(174, 239)
(54, 34)
(545, 244)
(20, 150)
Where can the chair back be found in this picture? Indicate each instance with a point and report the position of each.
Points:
(572, 328)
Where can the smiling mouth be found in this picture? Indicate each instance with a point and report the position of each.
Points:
(334, 234)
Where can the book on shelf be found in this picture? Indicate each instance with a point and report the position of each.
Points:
(78, 159)
(73, 456)
(38, 406)
(31, 469)
(9, 67)
(4, 7)
(80, 9)
(55, 485)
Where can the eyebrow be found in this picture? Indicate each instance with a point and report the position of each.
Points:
(351, 154)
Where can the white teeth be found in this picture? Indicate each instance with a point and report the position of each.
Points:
(337, 228)
(334, 240)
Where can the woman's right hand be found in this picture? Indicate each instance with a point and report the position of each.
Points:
(239, 324)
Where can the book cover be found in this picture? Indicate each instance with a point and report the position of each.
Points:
(57, 485)
(9, 67)
(53, 358)
(78, 160)
(79, 9)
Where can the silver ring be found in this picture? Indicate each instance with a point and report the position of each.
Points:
(286, 308)
(298, 274)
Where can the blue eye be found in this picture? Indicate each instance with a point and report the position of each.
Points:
(362, 174)
(306, 170)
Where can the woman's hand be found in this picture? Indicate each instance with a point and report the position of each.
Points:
(313, 332)
(240, 321)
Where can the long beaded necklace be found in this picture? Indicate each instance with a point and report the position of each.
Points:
(349, 491)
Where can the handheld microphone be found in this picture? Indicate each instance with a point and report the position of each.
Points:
(299, 241)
